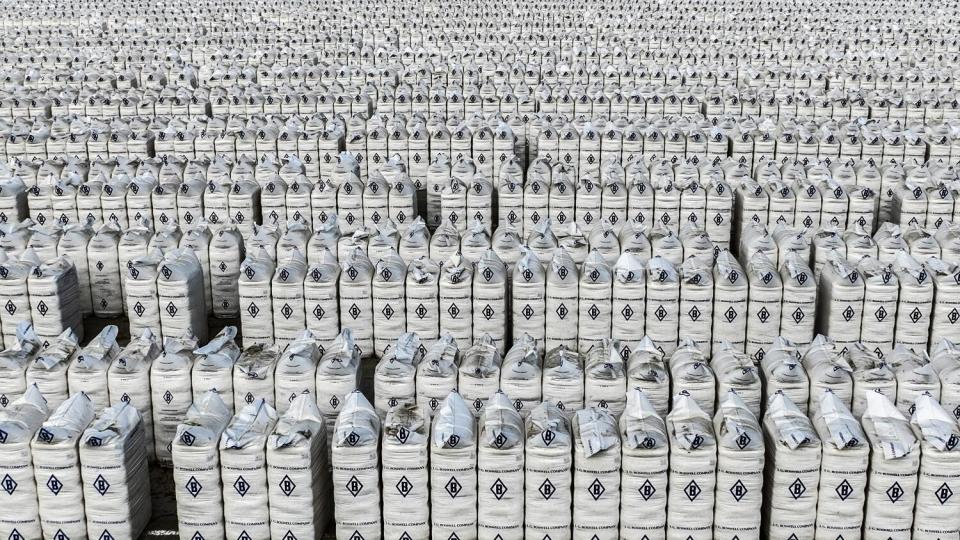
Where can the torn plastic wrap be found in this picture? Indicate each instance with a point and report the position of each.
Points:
(644, 467)
(596, 478)
(500, 470)
(894, 464)
(692, 475)
(196, 467)
(870, 374)
(453, 470)
(792, 478)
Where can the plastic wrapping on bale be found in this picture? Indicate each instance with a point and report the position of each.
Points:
(297, 472)
(87, 372)
(792, 478)
(18, 423)
(479, 373)
(644, 468)
(394, 382)
(356, 305)
(528, 298)
(180, 292)
(894, 464)
(730, 301)
(453, 470)
(213, 368)
(500, 470)
(129, 380)
(692, 474)
(521, 375)
(740, 460)
(54, 299)
(936, 508)
(783, 372)
(243, 465)
(562, 301)
(196, 467)
(405, 472)
(628, 303)
(116, 479)
(596, 479)
(48, 369)
(14, 360)
(490, 299)
(56, 465)
(171, 391)
(843, 470)
(437, 373)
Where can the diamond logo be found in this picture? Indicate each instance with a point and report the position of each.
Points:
(547, 489)
(797, 489)
(253, 310)
(287, 486)
(318, 312)
(42, 308)
(11, 308)
(692, 490)
(404, 486)
(660, 313)
(487, 312)
(562, 311)
(171, 309)
(241, 486)
(499, 489)
(738, 490)
(354, 486)
(527, 312)
(798, 315)
(844, 490)
(194, 487)
(54, 485)
(335, 402)
(895, 492)
(387, 311)
(593, 312)
(880, 314)
(100, 484)
(848, 313)
(627, 312)
(647, 490)
(915, 315)
(453, 310)
(730, 314)
(453, 487)
(943, 493)
(354, 311)
(694, 313)
(421, 311)
(596, 489)
(763, 314)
